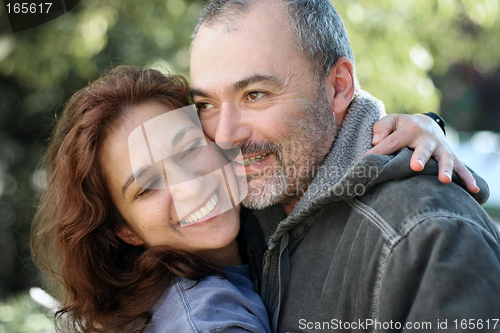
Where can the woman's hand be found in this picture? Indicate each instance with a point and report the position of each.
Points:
(421, 133)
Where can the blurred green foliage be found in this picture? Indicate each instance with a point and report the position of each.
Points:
(20, 314)
(402, 49)
(399, 44)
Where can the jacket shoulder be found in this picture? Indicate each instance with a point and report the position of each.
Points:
(401, 204)
(210, 305)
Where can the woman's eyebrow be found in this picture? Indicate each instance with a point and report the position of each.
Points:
(133, 177)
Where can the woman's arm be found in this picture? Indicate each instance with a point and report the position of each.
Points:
(423, 134)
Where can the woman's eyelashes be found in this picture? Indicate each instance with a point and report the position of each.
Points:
(153, 184)
(194, 148)
(187, 155)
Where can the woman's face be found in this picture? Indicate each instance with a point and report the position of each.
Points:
(190, 211)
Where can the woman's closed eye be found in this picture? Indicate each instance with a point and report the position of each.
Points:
(194, 148)
(151, 185)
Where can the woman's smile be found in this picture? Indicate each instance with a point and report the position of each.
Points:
(203, 212)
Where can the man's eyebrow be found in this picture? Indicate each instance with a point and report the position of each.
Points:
(241, 84)
(134, 176)
(197, 92)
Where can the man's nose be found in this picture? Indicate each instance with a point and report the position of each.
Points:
(232, 124)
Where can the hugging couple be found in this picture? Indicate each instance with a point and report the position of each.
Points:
(140, 228)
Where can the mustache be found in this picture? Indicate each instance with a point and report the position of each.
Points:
(231, 151)
(248, 148)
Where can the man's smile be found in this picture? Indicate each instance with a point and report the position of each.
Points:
(250, 160)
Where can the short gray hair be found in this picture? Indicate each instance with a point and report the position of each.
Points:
(319, 31)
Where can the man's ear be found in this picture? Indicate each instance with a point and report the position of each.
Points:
(128, 236)
(340, 87)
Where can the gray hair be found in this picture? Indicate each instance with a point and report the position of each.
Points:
(319, 31)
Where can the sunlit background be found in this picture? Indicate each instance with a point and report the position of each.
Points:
(417, 56)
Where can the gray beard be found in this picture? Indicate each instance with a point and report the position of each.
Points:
(303, 150)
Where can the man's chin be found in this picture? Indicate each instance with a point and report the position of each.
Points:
(265, 193)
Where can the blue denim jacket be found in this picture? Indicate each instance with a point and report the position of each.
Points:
(213, 305)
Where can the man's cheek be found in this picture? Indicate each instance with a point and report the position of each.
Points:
(209, 126)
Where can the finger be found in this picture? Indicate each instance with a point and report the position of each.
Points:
(391, 144)
(422, 154)
(465, 175)
(445, 159)
(383, 128)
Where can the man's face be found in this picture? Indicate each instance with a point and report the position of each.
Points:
(255, 89)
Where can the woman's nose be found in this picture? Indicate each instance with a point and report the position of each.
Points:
(187, 190)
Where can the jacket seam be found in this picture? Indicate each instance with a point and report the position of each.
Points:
(185, 302)
(391, 239)
(413, 222)
(374, 217)
(387, 249)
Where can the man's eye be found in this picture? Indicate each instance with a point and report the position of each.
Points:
(203, 106)
(255, 95)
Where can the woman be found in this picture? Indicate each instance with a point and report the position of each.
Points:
(140, 212)
(111, 247)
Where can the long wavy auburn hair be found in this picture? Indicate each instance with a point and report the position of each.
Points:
(103, 284)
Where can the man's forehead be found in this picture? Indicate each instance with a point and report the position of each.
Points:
(227, 16)
(258, 15)
(257, 47)
(262, 20)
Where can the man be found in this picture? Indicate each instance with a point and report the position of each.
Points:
(354, 243)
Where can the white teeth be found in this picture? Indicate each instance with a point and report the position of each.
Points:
(203, 211)
(251, 160)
